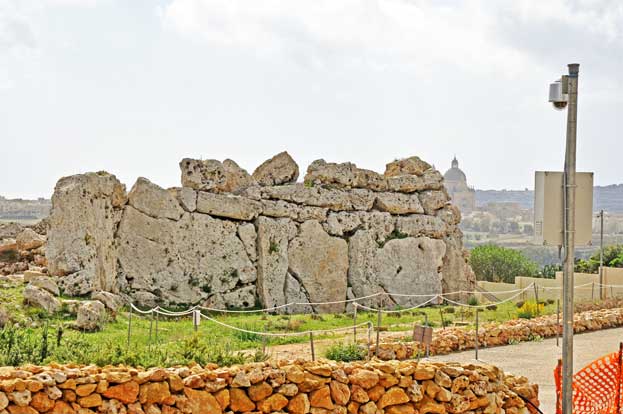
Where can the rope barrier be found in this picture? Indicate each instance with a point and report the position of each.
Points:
(284, 334)
(432, 297)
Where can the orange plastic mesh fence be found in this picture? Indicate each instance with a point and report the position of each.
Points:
(596, 388)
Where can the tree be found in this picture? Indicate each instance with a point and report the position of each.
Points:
(499, 264)
(613, 257)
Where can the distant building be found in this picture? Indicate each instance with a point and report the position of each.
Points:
(462, 195)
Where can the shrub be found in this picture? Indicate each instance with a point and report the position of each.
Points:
(492, 307)
(529, 310)
(449, 309)
(472, 301)
(346, 352)
(500, 264)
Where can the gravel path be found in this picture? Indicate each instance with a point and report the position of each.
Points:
(537, 360)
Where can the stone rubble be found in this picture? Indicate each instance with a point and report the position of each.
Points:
(295, 387)
(453, 339)
(234, 240)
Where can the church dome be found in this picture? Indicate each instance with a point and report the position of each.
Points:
(455, 173)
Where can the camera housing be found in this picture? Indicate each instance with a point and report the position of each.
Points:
(558, 94)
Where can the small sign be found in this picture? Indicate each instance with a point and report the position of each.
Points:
(423, 334)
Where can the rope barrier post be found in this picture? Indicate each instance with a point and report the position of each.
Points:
(196, 319)
(151, 324)
(264, 340)
(443, 323)
(157, 318)
(378, 328)
(355, 323)
(557, 322)
(311, 344)
(476, 342)
(426, 324)
(129, 326)
(369, 339)
(536, 294)
(593, 292)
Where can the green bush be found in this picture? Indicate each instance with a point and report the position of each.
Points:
(472, 301)
(500, 264)
(346, 352)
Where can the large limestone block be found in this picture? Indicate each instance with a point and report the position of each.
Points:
(332, 199)
(407, 265)
(27, 239)
(430, 180)
(295, 293)
(204, 175)
(182, 261)
(433, 200)
(153, 200)
(273, 236)
(320, 263)
(407, 166)
(236, 178)
(398, 203)
(456, 271)
(283, 209)
(345, 175)
(91, 315)
(41, 298)
(280, 169)
(242, 298)
(248, 236)
(46, 283)
(416, 225)
(345, 223)
(85, 212)
(186, 197)
(226, 205)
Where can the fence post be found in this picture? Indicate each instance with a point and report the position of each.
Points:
(196, 319)
(426, 324)
(369, 338)
(557, 322)
(378, 328)
(443, 323)
(311, 344)
(151, 324)
(354, 322)
(129, 326)
(476, 343)
(157, 318)
(536, 294)
(593, 292)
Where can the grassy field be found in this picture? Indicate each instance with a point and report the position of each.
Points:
(38, 337)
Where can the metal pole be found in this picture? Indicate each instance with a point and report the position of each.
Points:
(557, 322)
(151, 325)
(157, 318)
(536, 294)
(476, 343)
(355, 323)
(443, 323)
(601, 255)
(569, 240)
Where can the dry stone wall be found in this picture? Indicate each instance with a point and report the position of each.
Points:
(292, 387)
(231, 239)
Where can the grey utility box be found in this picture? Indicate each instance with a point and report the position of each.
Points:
(548, 208)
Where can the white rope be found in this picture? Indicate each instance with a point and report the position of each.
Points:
(285, 334)
(398, 310)
(490, 304)
(560, 287)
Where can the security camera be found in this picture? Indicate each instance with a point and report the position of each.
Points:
(557, 94)
(559, 106)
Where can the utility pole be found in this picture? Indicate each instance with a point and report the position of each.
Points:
(569, 238)
(601, 255)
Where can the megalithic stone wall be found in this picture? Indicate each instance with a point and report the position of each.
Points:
(230, 239)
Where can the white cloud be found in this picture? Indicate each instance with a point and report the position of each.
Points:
(377, 33)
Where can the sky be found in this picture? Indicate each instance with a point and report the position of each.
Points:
(134, 86)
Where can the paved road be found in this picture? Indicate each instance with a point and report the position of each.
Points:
(537, 360)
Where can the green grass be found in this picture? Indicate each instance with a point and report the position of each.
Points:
(178, 343)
